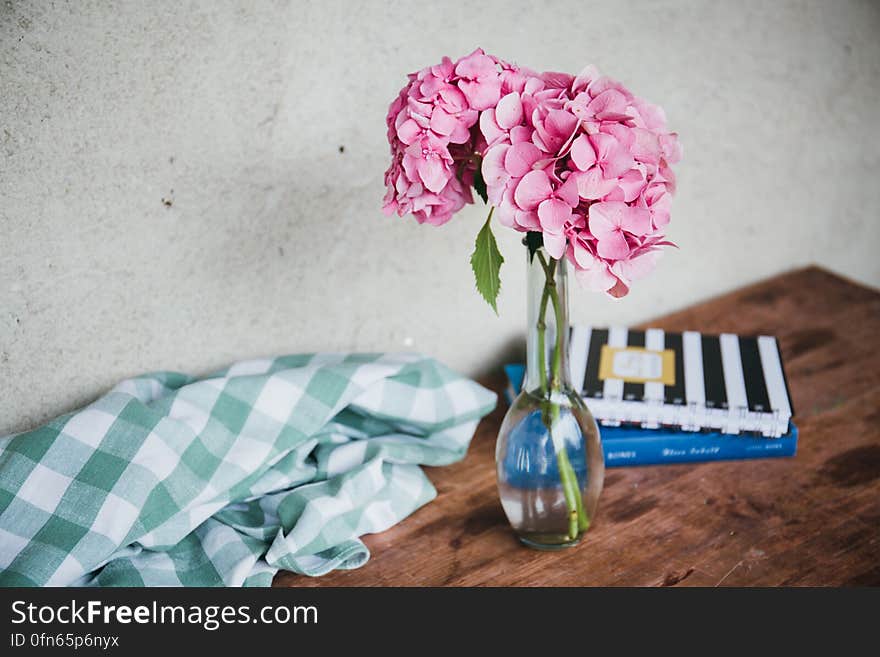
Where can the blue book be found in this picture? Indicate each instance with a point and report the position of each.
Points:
(632, 445)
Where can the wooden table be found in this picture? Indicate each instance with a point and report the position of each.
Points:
(809, 520)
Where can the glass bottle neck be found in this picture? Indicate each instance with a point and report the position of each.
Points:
(547, 367)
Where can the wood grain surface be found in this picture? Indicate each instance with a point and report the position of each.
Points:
(809, 520)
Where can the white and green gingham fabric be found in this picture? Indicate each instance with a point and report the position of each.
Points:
(270, 464)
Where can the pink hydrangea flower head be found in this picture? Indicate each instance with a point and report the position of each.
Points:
(433, 136)
(586, 163)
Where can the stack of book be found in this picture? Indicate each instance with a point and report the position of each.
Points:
(663, 397)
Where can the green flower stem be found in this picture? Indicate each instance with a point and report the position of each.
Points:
(542, 331)
(577, 521)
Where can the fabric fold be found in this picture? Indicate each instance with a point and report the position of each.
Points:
(272, 463)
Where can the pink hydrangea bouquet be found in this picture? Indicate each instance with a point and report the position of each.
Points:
(582, 167)
(578, 161)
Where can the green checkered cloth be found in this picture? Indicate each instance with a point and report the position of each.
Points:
(270, 464)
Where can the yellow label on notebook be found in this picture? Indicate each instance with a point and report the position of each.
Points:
(637, 365)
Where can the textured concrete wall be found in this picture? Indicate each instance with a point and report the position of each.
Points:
(174, 191)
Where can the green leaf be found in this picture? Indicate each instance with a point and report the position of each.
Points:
(534, 240)
(480, 184)
(486, 262)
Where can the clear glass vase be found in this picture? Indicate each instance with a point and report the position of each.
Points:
(548, 456)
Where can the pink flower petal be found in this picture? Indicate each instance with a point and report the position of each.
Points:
(555, 80)
(561, 123)
(584, 78)
(660, 212)
(513, 80)
(555, 244)
(636, 268)
(461, 134)
(452, 99)
(444, 69)
(545, 163)
(530, 104)
(622, 133)
(670, 147)
(610, 105)
(613, 246)
(578, 106)
(481, 94)
(591, 185)
(433, 174)
(613, 158)
(631, 184)
(552, 132)
(582, 255)
(664, 174)
(582, 153)
(619, 290)
(409, 131)
(532, 189)
(475, 65)
(568, 191)
(538, 141)
(506, 198)
(423, 120)
(533, 85)
(416, 107)
(604, 218)
(597, 277)
(646, 147)
(652, 117)
(603, 82)
(506, 214)
(527, 220)
(411, 165)
(490, 129)
(509, 112)
(520, 133)
(442, 122)
(636, 221)
(494, 172)
(616, 194)
(553, 213)
(520, 157)
(431, 86)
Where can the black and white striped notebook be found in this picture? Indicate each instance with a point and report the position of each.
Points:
(690, 381)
